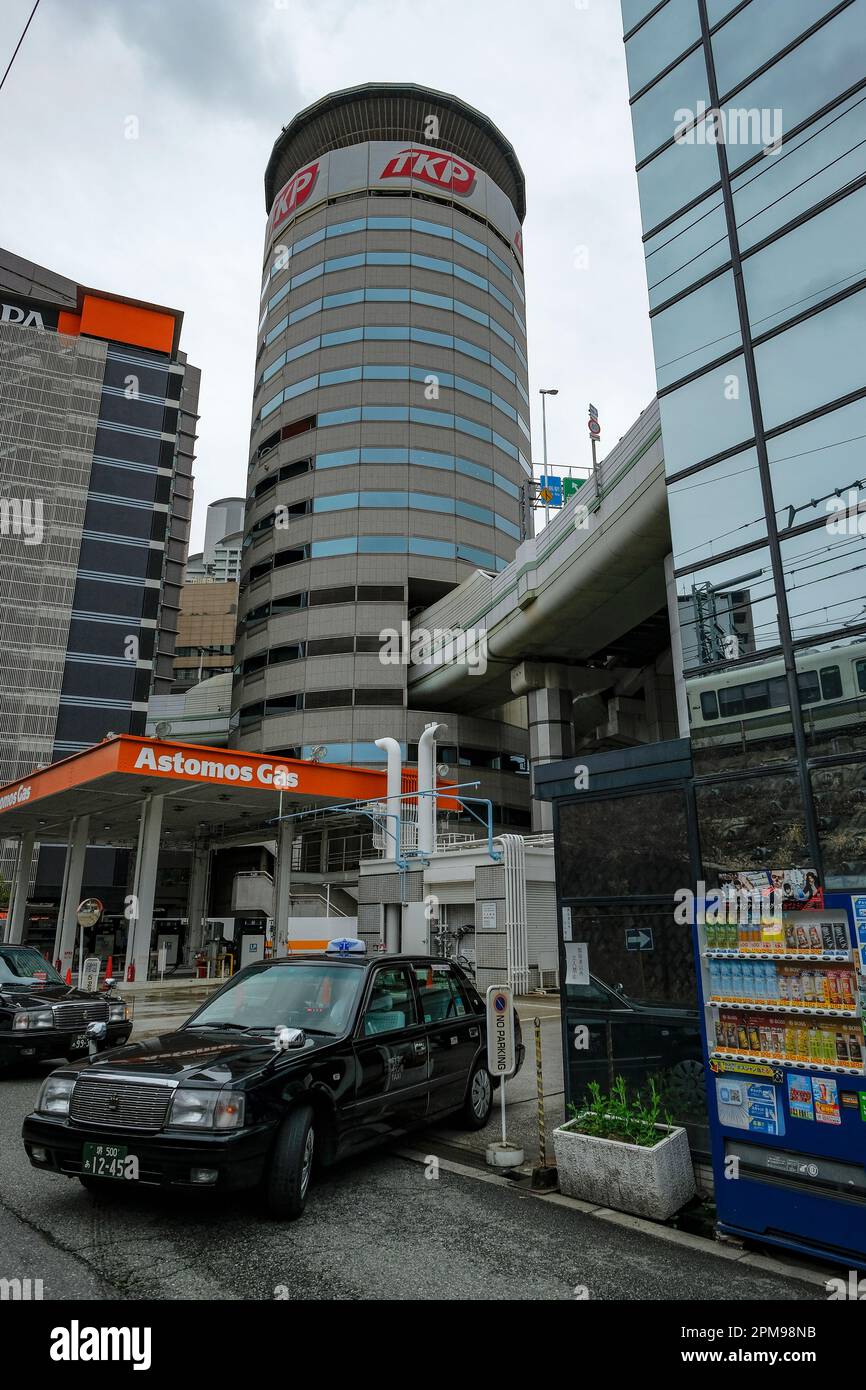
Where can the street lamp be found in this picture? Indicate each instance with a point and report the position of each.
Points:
(546, 391)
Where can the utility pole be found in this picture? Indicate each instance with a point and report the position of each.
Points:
(544, 392)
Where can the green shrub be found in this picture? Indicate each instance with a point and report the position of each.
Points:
(618, 1115)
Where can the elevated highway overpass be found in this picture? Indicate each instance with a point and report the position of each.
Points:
(578, 622)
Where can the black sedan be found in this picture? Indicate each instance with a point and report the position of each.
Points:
(40, 1016)
(297, 1060)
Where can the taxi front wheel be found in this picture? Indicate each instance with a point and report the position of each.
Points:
(479, 1098)
(288, 1176)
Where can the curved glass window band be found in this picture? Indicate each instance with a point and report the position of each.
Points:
(435, 264)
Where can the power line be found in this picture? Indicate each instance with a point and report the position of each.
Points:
(18, 45)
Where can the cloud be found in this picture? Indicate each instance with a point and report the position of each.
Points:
(212, 52)
(177, 215)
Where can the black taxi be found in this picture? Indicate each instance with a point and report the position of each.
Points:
(40, 1016)
(295, 1061)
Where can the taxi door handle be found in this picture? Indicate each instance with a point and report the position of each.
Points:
(473, 1032)
(420, 1046)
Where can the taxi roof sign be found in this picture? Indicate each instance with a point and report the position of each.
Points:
(346, 946)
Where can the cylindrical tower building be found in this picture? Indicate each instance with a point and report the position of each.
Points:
(390, 428)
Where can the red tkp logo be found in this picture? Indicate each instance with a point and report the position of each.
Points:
(443, 170)
(293, 194)
(518, 241)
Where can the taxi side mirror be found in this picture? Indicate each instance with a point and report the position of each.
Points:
(95, 1035)
(289, 1039)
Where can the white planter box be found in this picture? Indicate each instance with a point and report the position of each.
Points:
(652, 1182)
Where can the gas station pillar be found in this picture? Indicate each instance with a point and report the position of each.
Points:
(20, 887)
(283, 884)
(196, 910)
(67, 920)
(144, 889)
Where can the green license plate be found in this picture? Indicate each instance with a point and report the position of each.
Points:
(107, 1161)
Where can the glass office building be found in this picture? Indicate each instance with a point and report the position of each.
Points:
(750, 140)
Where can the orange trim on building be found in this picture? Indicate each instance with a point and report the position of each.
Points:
(68, 322)
(124, 323)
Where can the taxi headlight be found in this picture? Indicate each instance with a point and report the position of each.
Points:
(55, 1095)
(118, 1013)
(28, 1019)
(194, 1109)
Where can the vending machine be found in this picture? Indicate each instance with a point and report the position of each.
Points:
(783, 1014)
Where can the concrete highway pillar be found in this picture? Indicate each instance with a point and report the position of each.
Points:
(144, 888)
(20, 888)
(551, 738)
(67, 921)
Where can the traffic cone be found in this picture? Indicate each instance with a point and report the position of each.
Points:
(108, 965)
(69, 975)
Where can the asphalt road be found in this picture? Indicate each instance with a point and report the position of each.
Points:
(375, 1228)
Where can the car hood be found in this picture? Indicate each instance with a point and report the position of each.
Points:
(199, 1057)
(44, 995)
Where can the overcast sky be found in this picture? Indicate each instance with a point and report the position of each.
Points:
(177, 215)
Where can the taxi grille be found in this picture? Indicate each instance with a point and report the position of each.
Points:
(79, 1015)
(121, 1104)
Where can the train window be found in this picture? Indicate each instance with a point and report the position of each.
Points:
(778, 691)
(809, 687)
(731, 700)
(756, 695)
(831, 683)
(709, 705)
(860, 668)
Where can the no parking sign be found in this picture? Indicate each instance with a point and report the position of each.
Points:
(500, 1031)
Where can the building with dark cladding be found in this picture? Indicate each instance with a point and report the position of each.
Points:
(98, 410)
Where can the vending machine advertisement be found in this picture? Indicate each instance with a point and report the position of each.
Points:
(782, 964)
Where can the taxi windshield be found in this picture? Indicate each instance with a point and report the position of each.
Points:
(318, 997)
(26, 967)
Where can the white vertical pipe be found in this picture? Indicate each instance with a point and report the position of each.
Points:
(427, 784)
(516, 933)
(393, 801)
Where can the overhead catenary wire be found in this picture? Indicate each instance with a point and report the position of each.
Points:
(18, 45)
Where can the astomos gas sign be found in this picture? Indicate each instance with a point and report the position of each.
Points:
(182, 764)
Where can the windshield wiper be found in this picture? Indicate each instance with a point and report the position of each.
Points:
(218, 1024)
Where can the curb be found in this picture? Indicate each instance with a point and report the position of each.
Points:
(804, 1274)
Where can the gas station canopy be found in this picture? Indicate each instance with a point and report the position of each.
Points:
(203, 789)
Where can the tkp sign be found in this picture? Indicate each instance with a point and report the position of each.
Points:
(441, 170)
(293, 194)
